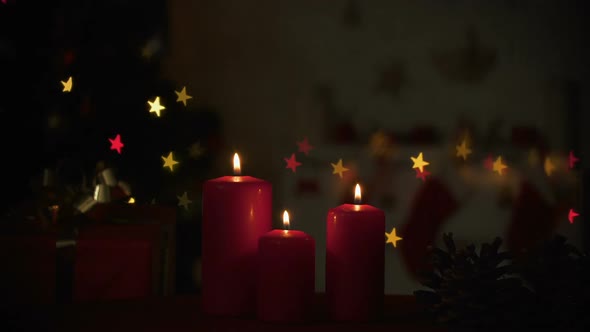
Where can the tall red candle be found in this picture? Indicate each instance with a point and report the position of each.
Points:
(355, 261)
(236, 212)
(286, 275)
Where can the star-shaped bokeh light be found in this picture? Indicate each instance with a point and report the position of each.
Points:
(462, 150)
(549, 167)
(116, 143)
(338, 168)
(571, 215)
(155, 106)
(392, 238)
(292, 163)
(422, 174)
(184, 201)
(572, 160)
(419, 162)
(195, 150)
(182, 97)
(304, 146)
(499, 166)
(67, 84)
(169, 161)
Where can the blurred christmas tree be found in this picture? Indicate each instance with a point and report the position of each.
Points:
(113, 50)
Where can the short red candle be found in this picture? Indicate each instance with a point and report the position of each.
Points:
(236, 212)
(355, 262)
(286, 276)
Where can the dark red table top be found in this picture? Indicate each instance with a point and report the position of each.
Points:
(181, 313)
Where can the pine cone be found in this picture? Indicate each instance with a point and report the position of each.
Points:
(473, 290)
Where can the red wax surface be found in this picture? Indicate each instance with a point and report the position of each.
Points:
(236, 212)
(286, 276)
(355, 262)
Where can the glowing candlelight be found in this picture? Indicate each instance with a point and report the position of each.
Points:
(286, 220)
(237, 168)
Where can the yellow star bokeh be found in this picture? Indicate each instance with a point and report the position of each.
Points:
(338, 168)
(499, 166)
(419, 162)
(155, 106)
(184, 201)
(182, 96)
(462, 150)
(392, 238)
(67, 85)
(169, 161)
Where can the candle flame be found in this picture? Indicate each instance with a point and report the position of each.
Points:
(357, 194)
(237, 168)
(286, 219)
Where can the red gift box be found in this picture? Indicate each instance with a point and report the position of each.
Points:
(116, 262)
(164, 216)
(28, 272)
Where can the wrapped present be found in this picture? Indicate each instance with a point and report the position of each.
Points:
(164, 217)
(116, 262)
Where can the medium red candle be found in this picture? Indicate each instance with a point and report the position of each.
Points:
(355, 261)
(286, 275)
(236, 212)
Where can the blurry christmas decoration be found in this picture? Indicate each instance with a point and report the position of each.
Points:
(499, 166)
(304, 146)
(67, 85)
(155, 106)
(572, 160)
(131, 200)
(462, 150)
(292, 163)
(488, 163)
(352, 14)
(391, 79)
(151, 48)
(470, 289)
(422, 174)
(184, 201)
(169, 161)
(182, 97)
(419, 162)
(102, 193)
(116, 143)
(392, 238)
(431, 207)
(571, 215)
(533, 157)
(339, 168)
(468, 64)
(549, 167)
(195, 150)
(381, 145)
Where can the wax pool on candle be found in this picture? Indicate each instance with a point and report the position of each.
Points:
(286, 275)
(236, 212)
(355, 261)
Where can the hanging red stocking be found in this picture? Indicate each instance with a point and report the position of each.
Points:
(431, 208)
(533, 219)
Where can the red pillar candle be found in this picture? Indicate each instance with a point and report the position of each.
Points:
(286, 275)
(236, 212)
(355, 261)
